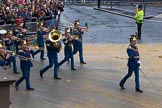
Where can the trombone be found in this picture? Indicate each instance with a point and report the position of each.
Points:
(16, 55)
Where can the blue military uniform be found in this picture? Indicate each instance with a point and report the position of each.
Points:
(21, 36)
(25, 65)
(11, 47)
(40, 41)
(133, 66)
(78, 45)
(17, 42)
(1, 62)
(68, 52)
(53, 59)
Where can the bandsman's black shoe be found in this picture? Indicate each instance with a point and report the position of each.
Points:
(68, 61)
(83, 62)
(16, 72)
(121, 86)
(41, 75)
(58, 78)
(30, 89)
(73, 69)
(16, 87)
(33, 56)
(4, 67)
(139, 90)
(43, 58)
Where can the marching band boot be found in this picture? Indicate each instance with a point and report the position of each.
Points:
(4, 67)
(68, 61)
(73, 69)
(33, 55)
(83, 62)
(41, 75)
(16, 87)
(58, 78)
(139, 90)
(43, 58)
(30, 89)
(122, 86)
(16, 72)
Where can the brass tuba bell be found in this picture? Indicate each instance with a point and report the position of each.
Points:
(55, 36)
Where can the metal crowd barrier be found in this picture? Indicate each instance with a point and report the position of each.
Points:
(29, 25)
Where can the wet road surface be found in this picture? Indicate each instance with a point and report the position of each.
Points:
(95, 85)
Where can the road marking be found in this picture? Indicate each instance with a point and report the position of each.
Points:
(159, 16)
(154, 21)
(116, 29)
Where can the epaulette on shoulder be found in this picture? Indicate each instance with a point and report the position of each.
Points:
(129, 47)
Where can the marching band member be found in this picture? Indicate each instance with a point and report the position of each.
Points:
(19, 32)
(68, 41)
(77, 44)
(40, 40)
(25, 65)
(3, 57)
(52, 50)
(133, 65)
(10, 46)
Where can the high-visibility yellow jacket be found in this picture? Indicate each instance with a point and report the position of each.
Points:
(139, 17)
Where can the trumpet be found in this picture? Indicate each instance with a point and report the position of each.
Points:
(76, 37)
(79, 28)
(21, 40)
(82, 29)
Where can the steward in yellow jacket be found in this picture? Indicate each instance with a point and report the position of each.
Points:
(139, 17)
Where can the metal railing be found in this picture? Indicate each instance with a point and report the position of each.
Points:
(31, 26)
(108, 1)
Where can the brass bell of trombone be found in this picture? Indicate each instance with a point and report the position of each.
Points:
(55, 36)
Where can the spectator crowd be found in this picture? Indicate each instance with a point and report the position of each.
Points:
(11, 11)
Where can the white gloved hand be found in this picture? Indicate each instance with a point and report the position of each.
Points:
(139, 62)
